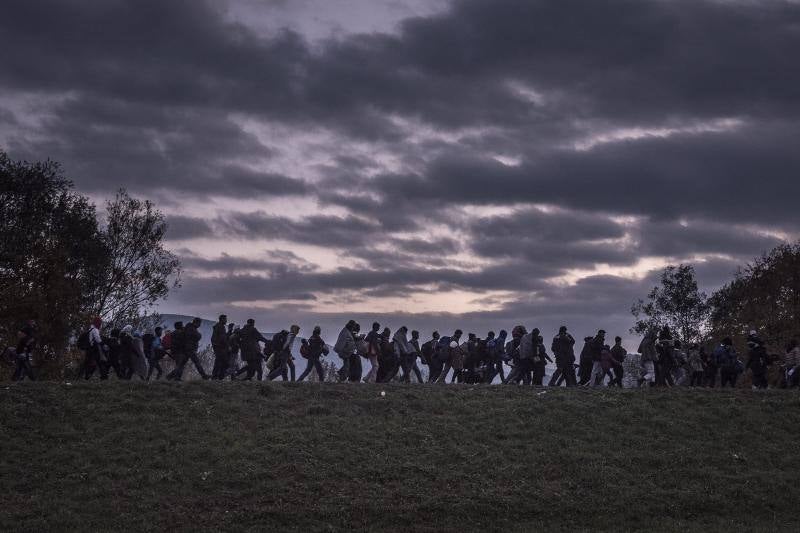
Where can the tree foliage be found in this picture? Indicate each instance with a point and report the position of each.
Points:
(60, 267)
(764, 295)
(139, 270)
(50, 251)
(677, 303)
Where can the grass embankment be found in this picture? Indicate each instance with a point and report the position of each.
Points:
(239, 456)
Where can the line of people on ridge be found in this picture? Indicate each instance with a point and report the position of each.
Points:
(663, 361)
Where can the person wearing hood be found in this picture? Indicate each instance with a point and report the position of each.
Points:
(563, 348)
(585, 362)
(528, 349)
(388, 362)
(345, 347)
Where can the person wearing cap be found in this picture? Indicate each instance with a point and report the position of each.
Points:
(221, 347)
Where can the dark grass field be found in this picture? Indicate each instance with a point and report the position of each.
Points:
(308, 457)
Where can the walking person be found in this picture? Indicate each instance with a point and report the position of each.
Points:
(26, 342)
(791, 364)
(618, 355)
(416, 351)
(157, 353)
(248, 341)
(430, 351)
(448, 348)
(315, 348)
(92, 344)
(696, 366)
(221, 347)
(563, 348)
(283, 353)
(191, 343)
(728, 362)
(345, 347)
(373, 340)
(597, 346)
(648, 358)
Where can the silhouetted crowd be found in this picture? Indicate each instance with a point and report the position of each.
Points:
(243, 353)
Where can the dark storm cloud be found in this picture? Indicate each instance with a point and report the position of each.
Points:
(151, 95)
(180, 227)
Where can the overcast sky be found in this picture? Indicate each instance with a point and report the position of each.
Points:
(428, 163)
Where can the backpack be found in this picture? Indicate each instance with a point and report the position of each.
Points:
(278, 340)
(305, 351)
(427, 351)
(166, 341)
(83, 341)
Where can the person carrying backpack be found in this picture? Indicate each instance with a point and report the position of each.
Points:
(411, 358)
(248, 339)
(282, 345)
(315, 348)
(430, 354)
(449, 352)
(373, 340)
(727, 361)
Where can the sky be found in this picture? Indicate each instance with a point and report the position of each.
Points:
(434, 164)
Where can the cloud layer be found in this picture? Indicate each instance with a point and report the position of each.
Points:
(476, 163)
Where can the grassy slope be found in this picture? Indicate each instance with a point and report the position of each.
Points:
(238, 456)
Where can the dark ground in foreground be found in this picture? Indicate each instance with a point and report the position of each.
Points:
(310, 457)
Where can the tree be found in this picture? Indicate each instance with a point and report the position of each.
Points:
(139, 271)
(50, 252)
(676, 303)
(764, 295)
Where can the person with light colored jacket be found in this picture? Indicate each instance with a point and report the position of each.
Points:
(791, 362)
(345, 347)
